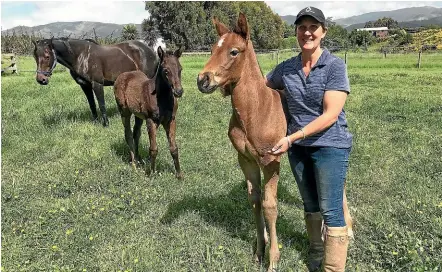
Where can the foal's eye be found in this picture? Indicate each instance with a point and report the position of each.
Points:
(234, 52)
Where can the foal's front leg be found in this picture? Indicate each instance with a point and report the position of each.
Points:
(271, 176)
(170, 128)
(253, 178)
(153, 148)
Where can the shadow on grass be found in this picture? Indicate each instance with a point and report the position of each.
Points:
(121, 149)
(56, 118)
(232, 212)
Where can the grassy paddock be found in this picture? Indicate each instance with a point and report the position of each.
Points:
(71, 201)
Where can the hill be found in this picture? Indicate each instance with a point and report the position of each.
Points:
(400, 15)
(407, 24)
(407, 17)
(80, 29)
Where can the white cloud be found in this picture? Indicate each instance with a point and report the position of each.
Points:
(95, 11)
(125, 12)
(337, 9)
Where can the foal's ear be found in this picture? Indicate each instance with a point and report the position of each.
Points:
(179, 51)
(221, 29)
(242, 28)
(160, 52)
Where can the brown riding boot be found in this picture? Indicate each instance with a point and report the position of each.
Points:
(335, 245)
(313, 222)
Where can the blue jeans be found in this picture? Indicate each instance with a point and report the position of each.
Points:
(320, 173)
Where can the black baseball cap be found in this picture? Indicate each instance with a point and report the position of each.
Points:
(313, 12)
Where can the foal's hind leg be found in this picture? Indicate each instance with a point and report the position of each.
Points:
(137, 134)
(99, 93)
(253, 177)
(128, 136)
(153, 148)
(170, 128)
(271, 176)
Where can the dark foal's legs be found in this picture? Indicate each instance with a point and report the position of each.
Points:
(153, 148)
(170, 128)
(137, 134)
(125, 118)
(99, 93)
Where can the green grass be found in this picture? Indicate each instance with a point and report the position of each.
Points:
(71, 201)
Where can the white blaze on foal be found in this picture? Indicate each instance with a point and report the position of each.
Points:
(220, 42)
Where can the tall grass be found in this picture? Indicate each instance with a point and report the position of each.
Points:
(71, 201)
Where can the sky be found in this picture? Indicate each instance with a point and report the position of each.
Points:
(33, 13)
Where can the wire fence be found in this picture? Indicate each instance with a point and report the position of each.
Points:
(278, 55)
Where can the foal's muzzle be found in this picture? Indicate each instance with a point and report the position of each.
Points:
(178, 92)
(206, 83)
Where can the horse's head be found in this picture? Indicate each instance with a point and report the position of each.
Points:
(171, 69)
(228, 57)
(46, 60)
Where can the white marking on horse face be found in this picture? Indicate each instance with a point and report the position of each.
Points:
(221, 40)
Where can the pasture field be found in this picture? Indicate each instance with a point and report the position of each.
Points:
(70, 201)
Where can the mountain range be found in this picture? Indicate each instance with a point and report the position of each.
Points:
(407, 17)
(80, 29)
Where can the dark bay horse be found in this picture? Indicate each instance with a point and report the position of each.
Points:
(153, 100)
(92, 65)
(257, 123)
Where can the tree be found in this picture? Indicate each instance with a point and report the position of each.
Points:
(385, 21)
(149, 32)
(129, 32)
(337, 36)
(190, 23)
(289, 30)
(361, 38)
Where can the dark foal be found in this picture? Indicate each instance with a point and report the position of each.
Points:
(135, 94)
(92, 65)
(131, 96)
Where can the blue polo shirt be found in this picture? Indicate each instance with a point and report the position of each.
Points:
(305, 96)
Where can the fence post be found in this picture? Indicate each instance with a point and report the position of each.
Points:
(277, 56)
(419, 60)
(345, 57)
(385, 54)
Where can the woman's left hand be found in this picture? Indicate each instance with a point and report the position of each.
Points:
(281, 147)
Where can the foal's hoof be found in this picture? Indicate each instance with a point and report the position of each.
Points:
(179, 176)
(105, 123)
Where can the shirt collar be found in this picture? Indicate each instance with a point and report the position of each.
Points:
(321, 61)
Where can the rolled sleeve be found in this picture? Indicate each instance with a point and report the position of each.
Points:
(337, 78)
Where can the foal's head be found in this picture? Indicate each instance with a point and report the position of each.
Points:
(225, 66)
(171, 69)
(44, 55)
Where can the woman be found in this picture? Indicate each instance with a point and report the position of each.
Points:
(318, 141)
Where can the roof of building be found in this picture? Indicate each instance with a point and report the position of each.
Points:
(374, 28)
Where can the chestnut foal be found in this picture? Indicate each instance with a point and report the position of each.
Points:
(256, 125)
